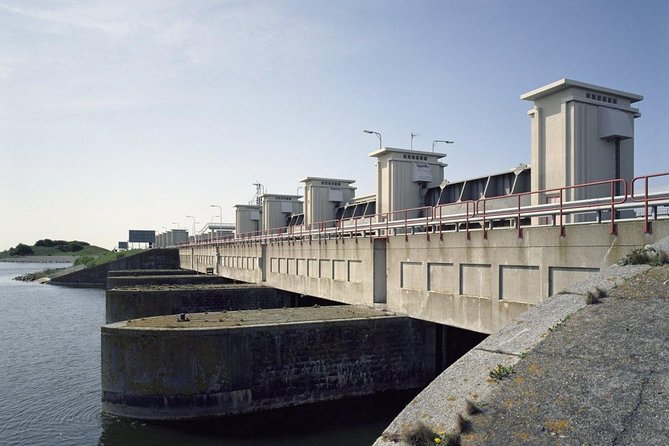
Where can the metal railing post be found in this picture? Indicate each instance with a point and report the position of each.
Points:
(561, 219)
(614, 229)
(520, 230)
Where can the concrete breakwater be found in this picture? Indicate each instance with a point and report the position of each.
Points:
(181, 279)
(156, 300)
(230, 363)
(149, 272)
(96, 276)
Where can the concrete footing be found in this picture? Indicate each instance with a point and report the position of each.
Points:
(149, 280)
(146, 301)
(219, 364)
(150, 272)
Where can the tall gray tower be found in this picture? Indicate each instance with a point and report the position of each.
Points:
(581, 133)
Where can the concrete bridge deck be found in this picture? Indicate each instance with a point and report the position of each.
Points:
(473, 282)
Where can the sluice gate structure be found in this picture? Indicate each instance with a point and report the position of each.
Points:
(476, 269)
(430, 257)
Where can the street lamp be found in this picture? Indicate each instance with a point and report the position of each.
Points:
(434, 143)
(190, 216)
(378, 135)
(220, 212)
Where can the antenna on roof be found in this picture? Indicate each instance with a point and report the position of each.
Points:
(413, 135)
(260, 191)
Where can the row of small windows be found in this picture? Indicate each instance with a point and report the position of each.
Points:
(283, 198)
(599, 97)
(330, 183)
(414, 157)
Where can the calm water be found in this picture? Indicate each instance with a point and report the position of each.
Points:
(50, 385)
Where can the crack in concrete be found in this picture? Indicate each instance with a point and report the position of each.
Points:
(626, 420)
(500, 352)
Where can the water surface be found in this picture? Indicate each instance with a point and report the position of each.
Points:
(50, 385)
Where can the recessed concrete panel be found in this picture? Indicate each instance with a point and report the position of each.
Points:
(520, 283)
(312, 268)
(475, 279)
(560, 277)
(283, 266)
(301, 267)
(340, 272)
(355, 271)
(411, 275)
(325, 268)
(292, 267)
(441, 278)
(273, 265)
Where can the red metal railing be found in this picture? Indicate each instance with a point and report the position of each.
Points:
(520, 211)
(647, 198)
(482, 211)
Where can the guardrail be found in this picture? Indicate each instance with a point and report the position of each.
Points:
(469, 215)
(647, 198)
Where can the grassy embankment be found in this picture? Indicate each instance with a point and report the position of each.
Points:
(107, 257)
(49, 248)
(84, 254)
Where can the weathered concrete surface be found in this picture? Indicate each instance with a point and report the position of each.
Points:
(600, 378)
(150, 272)
(179, 279)
(219, 364)
(476, 284)
(468, 379)
(96, 277)
(140, 302)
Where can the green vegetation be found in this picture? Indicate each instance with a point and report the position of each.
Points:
(421, 435)
(645, 256)
(501, 372)
(108, 257)
(21, 250)
(48, 247)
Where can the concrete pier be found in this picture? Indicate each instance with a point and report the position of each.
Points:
(150, 272)
(145, 301)
(220, 364)
(180, 279)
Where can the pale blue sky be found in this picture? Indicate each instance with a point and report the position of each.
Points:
(133, 114)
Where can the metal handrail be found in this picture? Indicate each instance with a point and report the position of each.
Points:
(560, 207)
(381, 224)
(647, 198)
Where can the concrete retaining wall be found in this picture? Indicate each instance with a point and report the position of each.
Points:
(132, 303)
(468, 379)
(96, 277)
(167, 373)
(150, 272)
(182, 279)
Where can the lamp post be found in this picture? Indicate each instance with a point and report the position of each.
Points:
(378, 135)
(190, 216)
(434, 143)
(220, 212)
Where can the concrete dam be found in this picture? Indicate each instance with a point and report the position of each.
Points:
(339, 296)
